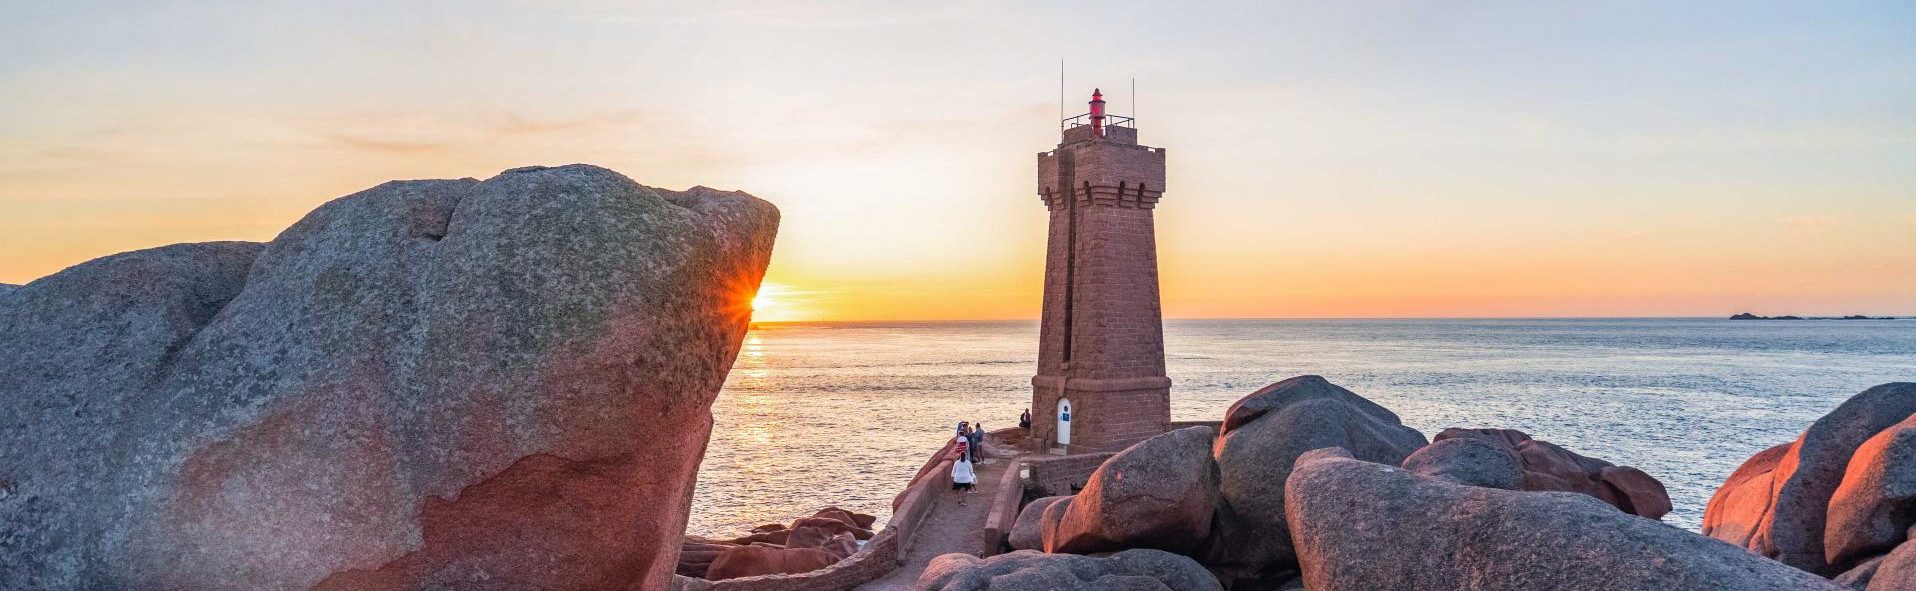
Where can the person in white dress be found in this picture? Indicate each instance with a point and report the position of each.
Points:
(963, 479)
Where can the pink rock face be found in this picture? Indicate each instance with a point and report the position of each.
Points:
(417, 386)
(1633, 491)
(752, 561)
(860, 520)
(1897, 571)
(1874, 507)
(1362, 526)
(1160, 494)
(832, 526)
(1737, 509)
(1791, 522)
(696, 555)
(1027, 533)
(810, 536)
(841, 545)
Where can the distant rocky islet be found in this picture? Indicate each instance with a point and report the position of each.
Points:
(1749, 316)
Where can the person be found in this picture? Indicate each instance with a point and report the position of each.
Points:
(1024, 420)
(963, 428)
(963, 479)
(977, 441)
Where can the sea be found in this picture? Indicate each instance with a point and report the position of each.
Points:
(842, 414)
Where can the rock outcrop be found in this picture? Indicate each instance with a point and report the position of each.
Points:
(1549, 467)
(1470, 461)
(1362, 526)
(1160, 493)
(832, 530)
(1737, 508)
(1026, 570)
(696, 555)
(1262, 434)
(1780, 502)
(1027, 532)
(6, 288)
(390, 395)
(1895, 572)
(752, 561)
(1874, 506)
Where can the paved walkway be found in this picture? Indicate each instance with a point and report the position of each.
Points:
(948, 527)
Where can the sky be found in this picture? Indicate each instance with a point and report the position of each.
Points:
(1326, 159)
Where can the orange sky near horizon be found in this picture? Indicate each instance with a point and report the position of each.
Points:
(1395, 160)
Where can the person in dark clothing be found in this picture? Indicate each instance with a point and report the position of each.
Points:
(977, 440)
(1024, 420)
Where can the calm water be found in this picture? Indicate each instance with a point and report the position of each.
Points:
(825, 414)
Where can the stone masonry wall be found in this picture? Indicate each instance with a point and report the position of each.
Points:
(1062, 475)
(1119, 327)
(1102, 323)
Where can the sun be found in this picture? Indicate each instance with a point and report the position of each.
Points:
(777, 303)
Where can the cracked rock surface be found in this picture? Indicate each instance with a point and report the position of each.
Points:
(428, 384)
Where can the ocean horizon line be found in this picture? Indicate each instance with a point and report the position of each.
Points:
(1300, 318)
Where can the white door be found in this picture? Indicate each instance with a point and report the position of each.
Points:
(1064, 421)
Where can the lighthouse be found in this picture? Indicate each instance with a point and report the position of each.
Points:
(1100, 383)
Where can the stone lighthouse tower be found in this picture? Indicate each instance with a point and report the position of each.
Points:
(1100, 381)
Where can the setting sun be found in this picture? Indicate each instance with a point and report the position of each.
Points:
(775, 302)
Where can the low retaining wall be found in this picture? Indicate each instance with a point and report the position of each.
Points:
(1061, 475)
(880, 555)
(1004, 510)
(917, 501)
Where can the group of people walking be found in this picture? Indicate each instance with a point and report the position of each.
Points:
(969, 443)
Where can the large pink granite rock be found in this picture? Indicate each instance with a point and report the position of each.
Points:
(1778, 505)
(1896, 571)
(752, 561)
(1469, 460)
(1159, 493)
(1027, 533)
(416, 386)
(1363, 526)
(1549, 467)
(1875, 505)
(1026, 570)
(1736, 509)
(1262, 434)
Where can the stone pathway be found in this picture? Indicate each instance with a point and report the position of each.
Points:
(948, 527)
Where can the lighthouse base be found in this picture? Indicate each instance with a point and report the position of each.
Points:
(1086, 414)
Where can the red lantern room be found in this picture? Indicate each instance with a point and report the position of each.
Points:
(1097, 112)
